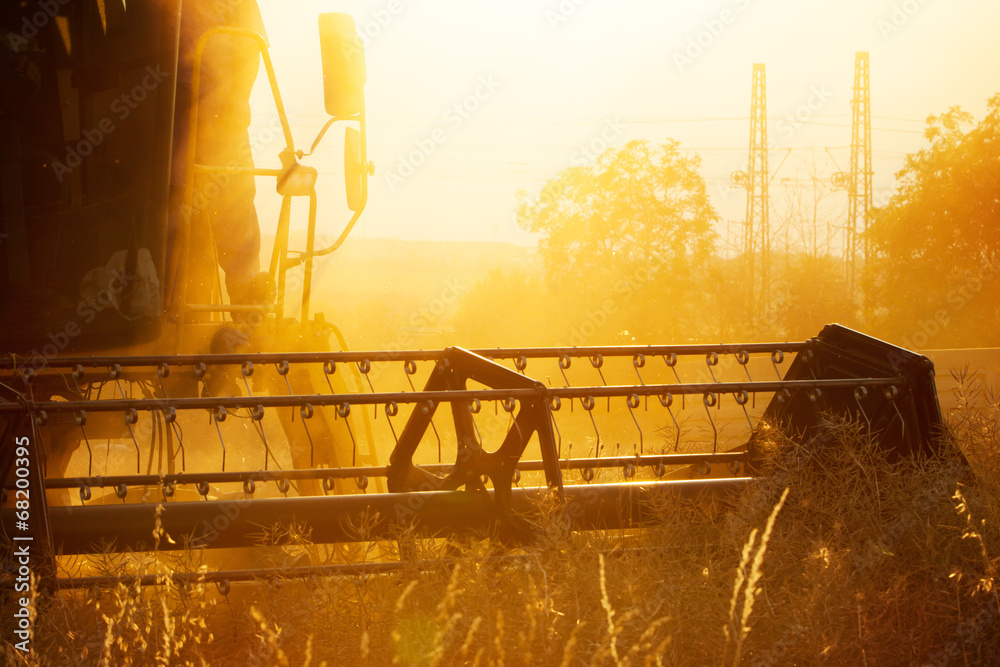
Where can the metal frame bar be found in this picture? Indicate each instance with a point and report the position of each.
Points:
(443, 395)
(238, 477)
(8, 363)
(331, 519)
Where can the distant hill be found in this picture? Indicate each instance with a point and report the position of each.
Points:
(386, 291)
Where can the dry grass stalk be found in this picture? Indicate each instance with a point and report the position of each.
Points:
(750, 590)
(860, 566)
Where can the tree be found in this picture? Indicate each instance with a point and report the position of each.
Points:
(932, 278)
(626, 234)
(631, 206)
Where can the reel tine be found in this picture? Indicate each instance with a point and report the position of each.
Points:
(246, 370)
(157, 443)
(219, 415)
(860, 393)
(306, 412)
(777, 357)
(554, 405)
(671, 361)
(564, 363)
(410, 369)
(354, 444)
(638, 361)
(711, 400)
(588, 405)
(76, 374)
(520, 364)
(170, 416)
(890, 393)
(712, 360)
(479, 436)
(282, 367)
(391, 409)
(597, 361)
(365, 367)
(132, 417)
(329, 368)
(344, 411)
(555, 427)
(81, 421)
(509, 406)
(743, 359)
(257, 416)
(633, 402)
(667, 401)
(437, 436)
(741, 399)
(115, 373)
(474, 409)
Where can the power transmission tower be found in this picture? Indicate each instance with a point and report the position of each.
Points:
(859, 179)
(756, 233)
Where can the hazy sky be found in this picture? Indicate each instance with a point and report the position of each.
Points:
(540, 82)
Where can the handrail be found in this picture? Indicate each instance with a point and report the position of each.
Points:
(179, 268)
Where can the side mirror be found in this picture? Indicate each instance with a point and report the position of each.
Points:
(353, 169)
(344, 73)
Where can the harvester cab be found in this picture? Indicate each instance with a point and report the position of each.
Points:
(127, 185)
(142, 410)
(112, 169)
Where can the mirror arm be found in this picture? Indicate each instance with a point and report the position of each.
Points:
(366, 169)
(340, 240)
(319, 138)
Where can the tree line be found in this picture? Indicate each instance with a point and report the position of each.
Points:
(630, 253)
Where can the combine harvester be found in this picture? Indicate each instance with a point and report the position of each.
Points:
(127, 428)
